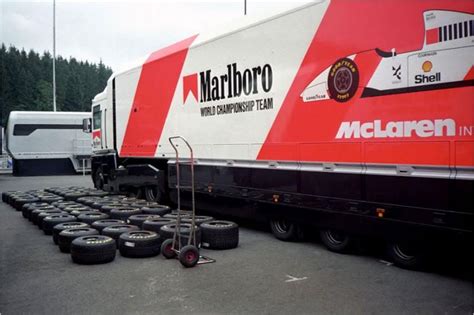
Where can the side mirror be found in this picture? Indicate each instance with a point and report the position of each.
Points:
(87, 125)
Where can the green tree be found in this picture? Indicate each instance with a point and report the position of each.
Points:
(26, 82)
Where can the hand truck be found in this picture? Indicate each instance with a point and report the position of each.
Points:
(188, 254)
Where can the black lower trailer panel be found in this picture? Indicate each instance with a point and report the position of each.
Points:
(42, 167)
(401, 207)
(392, 207)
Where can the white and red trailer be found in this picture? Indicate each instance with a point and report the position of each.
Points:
(356, 117)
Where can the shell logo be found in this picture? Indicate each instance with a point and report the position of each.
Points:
(427, 65)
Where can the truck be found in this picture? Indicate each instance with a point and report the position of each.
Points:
(48, 143)
(355, 118)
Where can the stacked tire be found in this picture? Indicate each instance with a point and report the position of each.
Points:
(91, 225)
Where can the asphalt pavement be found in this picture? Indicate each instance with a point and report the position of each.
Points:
(261, 276)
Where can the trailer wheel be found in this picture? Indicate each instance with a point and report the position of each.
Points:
(153, 193)
(285, 230)
(167, 249)
(343, 80)
(336, 241)
(189, 256)
(408, 256)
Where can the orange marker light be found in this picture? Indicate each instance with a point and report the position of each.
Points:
(380, 212)
(275, 198)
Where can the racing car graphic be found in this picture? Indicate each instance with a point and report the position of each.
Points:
(441, 63)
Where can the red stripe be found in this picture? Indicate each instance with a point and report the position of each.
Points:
(155, 90)
(470, 74)
(432, 36)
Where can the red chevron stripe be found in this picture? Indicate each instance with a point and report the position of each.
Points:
(155, 90)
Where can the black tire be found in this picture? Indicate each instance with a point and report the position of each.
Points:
(98, 204)
(142, 203)
(189, 256)
(138, 219)
(93, 249)
(220, 234)
(167, 231)
(66, 237)
(35, 211)
(88, 200)
(50, 221)
(65, 226)
(175, 215)
(6, 195)
(78, 212)
(114, 231)
(97, 193)
(38, 221)
(128, 200)
(73, 196)
(50, 199)
(43, 216)
(51, 189)
(115, 196)
(102, 224)
(123, 213)
(19, 202)
(28, 207)
(10, 195)
(15, 197)
(198, 219)
(64, 204)
(108, 206)
(80, 207)
(160, 210)
(183, 212)
(139, 244)
(336, 241)
(156, 224)
(406, 255)
(91, 217)
(167, 249)
(343, 80)
(285, 230)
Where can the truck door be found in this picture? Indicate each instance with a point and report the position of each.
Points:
(97, 127)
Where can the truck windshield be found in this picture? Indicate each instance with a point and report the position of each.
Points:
(96, 116)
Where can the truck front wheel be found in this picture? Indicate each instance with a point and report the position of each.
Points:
(99, 178)
(153, 193)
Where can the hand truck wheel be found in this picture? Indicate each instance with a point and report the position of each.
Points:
(167, 249)
(189, 256)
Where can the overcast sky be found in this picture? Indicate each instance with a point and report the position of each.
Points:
(119, 31)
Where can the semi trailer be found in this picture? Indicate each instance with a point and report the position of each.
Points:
(352, 117)
(48, 143)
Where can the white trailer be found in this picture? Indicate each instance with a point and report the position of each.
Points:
(47, 143)
(335, 115)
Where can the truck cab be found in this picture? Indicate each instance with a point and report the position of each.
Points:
(98, 125)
